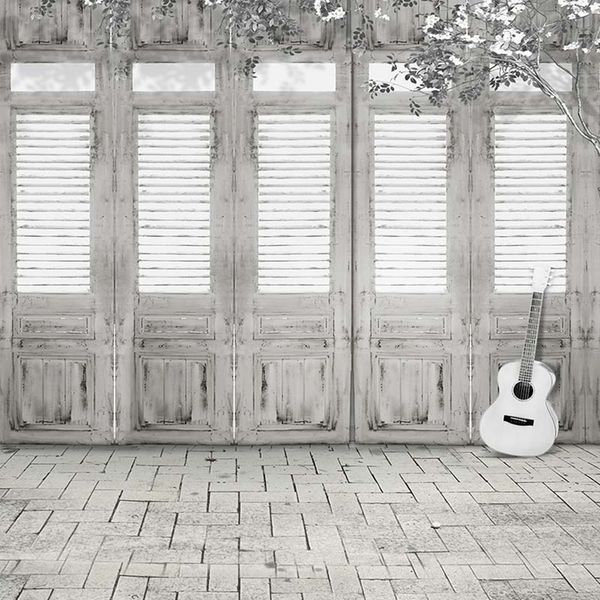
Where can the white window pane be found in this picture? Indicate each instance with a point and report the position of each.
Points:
(294, 203)
(173, 77)
(382, 73)
(52, 77)
(173, 204)
(53, 203)
(555, 75)
(295, 77)
(410, 203)
(531, 200)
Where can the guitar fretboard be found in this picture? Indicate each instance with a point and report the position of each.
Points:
(531, 339)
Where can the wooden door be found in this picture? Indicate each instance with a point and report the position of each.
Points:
(292, 270)
(174, 273)
(531, 202)
(411, 289)
(56, 274)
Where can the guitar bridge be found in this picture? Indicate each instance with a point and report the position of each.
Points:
(522, 421)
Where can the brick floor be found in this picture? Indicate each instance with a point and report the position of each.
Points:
(298, 523)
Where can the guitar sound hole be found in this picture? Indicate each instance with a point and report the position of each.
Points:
(523, 391)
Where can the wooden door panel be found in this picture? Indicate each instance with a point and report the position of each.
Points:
(174, 279)
(293, 264)
(57, 333)
(411, 272)
(522, 203)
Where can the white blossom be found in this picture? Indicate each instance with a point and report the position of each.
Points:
(430, 21)
(572, 46)
(379, 14)
(455, 60)
(330, 15)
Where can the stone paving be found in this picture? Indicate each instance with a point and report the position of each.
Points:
(298, 523)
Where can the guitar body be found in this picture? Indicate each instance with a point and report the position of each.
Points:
(521, 427)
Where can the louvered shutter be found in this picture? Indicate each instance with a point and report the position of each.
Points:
(173, 204)
(52, 168)
(410, 203)
(531, 199)
(294, 199)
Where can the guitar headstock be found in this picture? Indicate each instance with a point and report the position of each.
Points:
(541, 277)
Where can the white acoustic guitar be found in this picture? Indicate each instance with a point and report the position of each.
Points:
(521, 422)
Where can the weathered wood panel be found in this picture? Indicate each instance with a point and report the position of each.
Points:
(293, 391)
(411, 290)
(54, 391)
(174, 278)
(293, 263)
(54, 326)
(175, 391)
(410, 391)
(68, 23)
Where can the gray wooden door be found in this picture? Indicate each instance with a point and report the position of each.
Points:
(531, 203)
(174, 277)
(411, 289)
(56, 274)
(292, 273)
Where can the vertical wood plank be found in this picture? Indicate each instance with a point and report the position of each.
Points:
(433, 400)
(8, 393)
(270, 390)
(481, 255)
(316, 390)
(586, 185)
(176, 406)
(76, 392)
(292, 398)
(366, 395)
(31, 394)
(198, 392)
(464, 123)
(387, 397)
(102, 220)
(411, 392)
(54, 390)
(152, 396)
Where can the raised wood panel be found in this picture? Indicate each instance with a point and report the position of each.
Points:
(174, 391)
(190, 22)
(515, 326)
(293, 391)
(404, 24)
(409, 326)
(410, 391)
(54, 391)
(292, 326)
(54, 326)
(176, 326)
(67, 23)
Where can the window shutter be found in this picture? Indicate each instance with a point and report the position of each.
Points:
(52, 170)
(173, 203)
(294, 198)
(410, 203)
(531, 199)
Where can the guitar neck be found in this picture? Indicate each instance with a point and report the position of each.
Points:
(531, 339)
